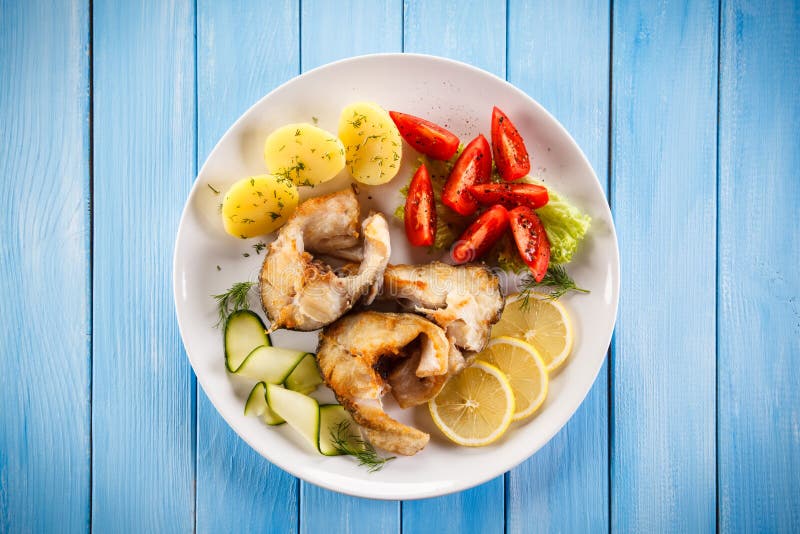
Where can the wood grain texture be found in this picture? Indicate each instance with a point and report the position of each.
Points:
(473, 32)
(564, 487)
(244, 50)
(144, 151)
(759, 249)
(663, 190)
(44, 252)
(331, 31)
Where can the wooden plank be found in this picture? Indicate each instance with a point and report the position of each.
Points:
(45, 290)
(475, 33)
(239, 60)
(564, 487)
(663, 190)
(332, 31)
(144, 150)
(759, 248)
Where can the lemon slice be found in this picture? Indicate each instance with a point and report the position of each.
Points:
(525, 370)
(543, 323)
(475, 407)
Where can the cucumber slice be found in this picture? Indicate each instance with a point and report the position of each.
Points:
(270, 364)
(305, 377)
(257, 405)
(244, 331)
(300, 411)
(330, 417)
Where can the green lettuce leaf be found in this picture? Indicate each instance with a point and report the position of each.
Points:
(564, 224)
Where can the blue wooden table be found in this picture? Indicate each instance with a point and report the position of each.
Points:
(688, 111)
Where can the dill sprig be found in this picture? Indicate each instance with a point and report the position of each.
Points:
(556, 278)
(346, 442)
(258, 247)
(234, 299)
(216, 191)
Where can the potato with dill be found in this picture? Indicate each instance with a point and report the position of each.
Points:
(258, 205)
(372, 143)
(304, 153)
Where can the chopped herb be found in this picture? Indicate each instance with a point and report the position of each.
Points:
(281, 148)
(219, 268)
(273, 215)
(259, 247)
(252, 182)
(246, 254)
(219, 207)
(316, 120)
(247, 220)
(216, 191)
(297, 132)
(346, 442)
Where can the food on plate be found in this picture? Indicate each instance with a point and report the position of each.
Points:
(473, 166)
(510, 195)
(364, 355)
(540, 321)
(420, 212)
(301, 292)
(425, 136)
(372, 143)
(531, 240)
(304, 153)
(244, 331)
(258, 205)
(481, 235)
(476, 407)
(510, 155)
(565, 225)
(464, 300)
(525, 370)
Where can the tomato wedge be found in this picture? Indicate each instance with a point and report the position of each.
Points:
(479, 237)
(510, 155)
(531, 239)
(426, 136)
(420, 212)
(510, 195)
(473, 166)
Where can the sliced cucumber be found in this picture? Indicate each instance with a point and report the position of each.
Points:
(305, 377)
(300, 411)
(330, 417)
(244, 331)
(257, 405)
(270, 364)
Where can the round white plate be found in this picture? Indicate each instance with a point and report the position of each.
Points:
(207, 261)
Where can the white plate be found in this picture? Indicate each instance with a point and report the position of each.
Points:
(460, 97)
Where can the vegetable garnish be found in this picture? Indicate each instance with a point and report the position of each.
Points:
(564, 224)
(346, 442)
(555, 278)
(510, 155)
(234, 299)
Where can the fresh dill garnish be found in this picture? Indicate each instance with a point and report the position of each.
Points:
(219, 268)
(346, 442)
(258, 247)
(556, 278)
(246, 254)
(216, 191)
(234, 299)
(273, 215)
(315, 119)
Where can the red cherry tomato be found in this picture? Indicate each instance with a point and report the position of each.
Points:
(481, 235)
(510, 155)
(426, 136)
(420, 213)
(510, 195)
(531, 239)
(473, 166)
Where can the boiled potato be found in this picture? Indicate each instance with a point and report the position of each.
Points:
(306, 154)
(258, 205)
(371, 143)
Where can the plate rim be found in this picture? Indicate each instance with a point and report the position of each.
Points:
(502, 466)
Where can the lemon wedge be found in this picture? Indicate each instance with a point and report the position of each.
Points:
(525, 370)
(543, 323)
(475, 407)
